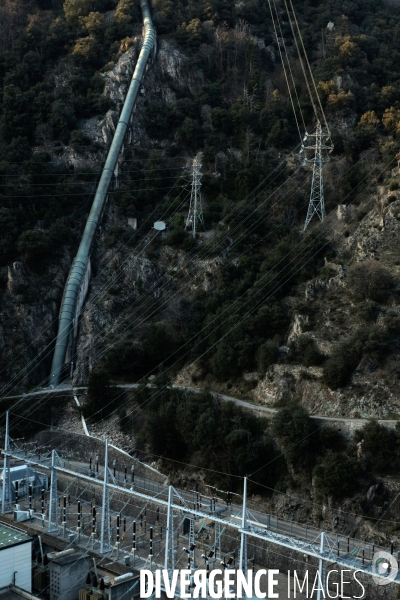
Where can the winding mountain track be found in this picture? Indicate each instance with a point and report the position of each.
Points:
(68, 390)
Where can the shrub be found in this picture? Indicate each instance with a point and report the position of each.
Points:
(127, 359)
(307, 351)
(34, 247)
(369, 281)
(338, 369)
(223, 362)
(337, 475)
(190, 133)
(62, 118)
(74, 9)
(369, 341)
(102, 397)
(175, 238)
(79, 140)
(267, 354)
(86, 50)
(392, 324)
(367, 311)
(218, 435)
(379, 447)
(59, 233)
(292, 426)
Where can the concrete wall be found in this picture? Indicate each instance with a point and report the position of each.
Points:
(16, 566)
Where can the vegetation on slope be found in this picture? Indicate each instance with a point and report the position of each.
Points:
(52, 55)
(50, 77)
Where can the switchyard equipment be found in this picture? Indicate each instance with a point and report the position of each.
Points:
(322, 547)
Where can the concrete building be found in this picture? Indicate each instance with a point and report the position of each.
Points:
(15, 558)
(68, 575)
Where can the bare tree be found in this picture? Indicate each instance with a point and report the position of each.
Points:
(43, 133)
(221, 36)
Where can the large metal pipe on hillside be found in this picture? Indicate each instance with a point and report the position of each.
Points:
(76, 274)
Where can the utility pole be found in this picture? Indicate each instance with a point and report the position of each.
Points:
(318, 142)
(195, 214)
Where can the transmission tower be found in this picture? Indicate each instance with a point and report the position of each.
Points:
(195, 214)
(320, 144)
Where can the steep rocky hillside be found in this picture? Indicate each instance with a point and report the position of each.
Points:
(253, 306)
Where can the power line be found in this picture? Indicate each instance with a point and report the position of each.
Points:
(364, 178)
(236, 207)
(239, 322)
(68, 194)
(283, 64)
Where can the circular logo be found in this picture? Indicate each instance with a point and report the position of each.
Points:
(384, 568)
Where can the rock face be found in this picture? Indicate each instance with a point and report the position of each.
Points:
(28, 322)
(117, 80)
(106, 313)
(17, 277)
(131, 274)
(367, 397)
(300, 324)
(171, 62)
(331, 314)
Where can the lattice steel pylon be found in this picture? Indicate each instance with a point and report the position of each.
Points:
(321, 144)
(6, 496)
(195, 214)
